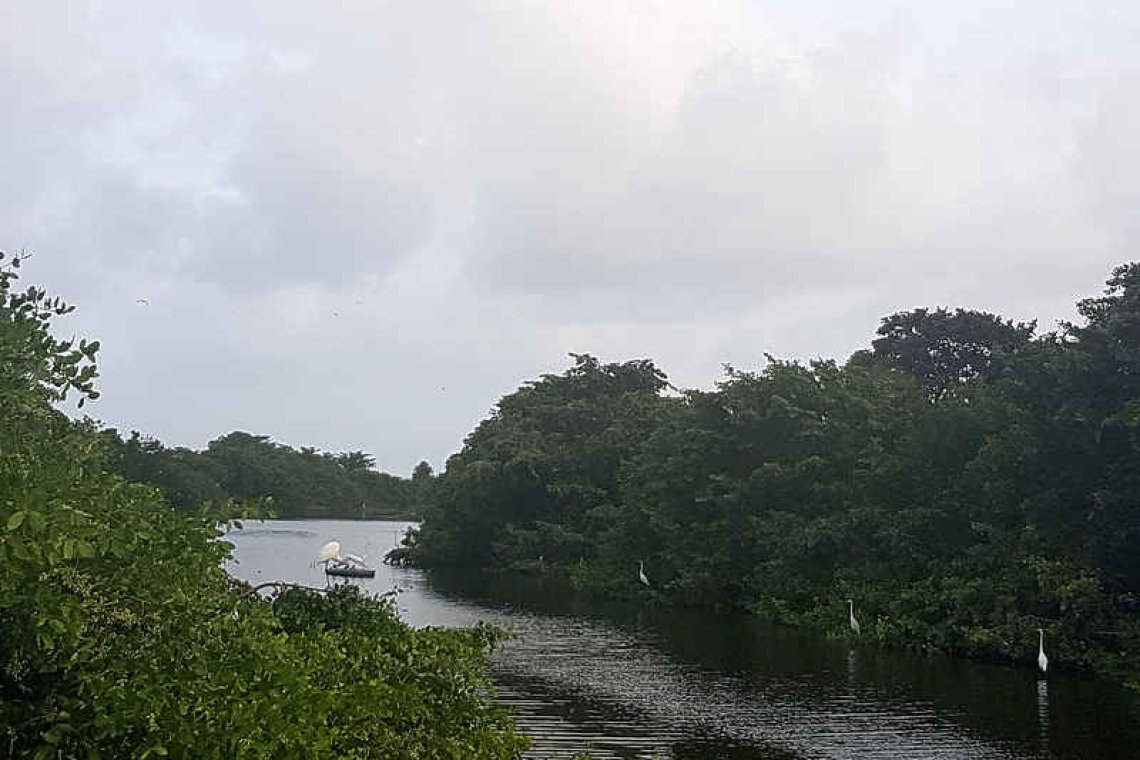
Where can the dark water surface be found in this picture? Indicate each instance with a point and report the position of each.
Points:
(639, 681)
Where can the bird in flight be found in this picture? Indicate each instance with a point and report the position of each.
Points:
(142, 301)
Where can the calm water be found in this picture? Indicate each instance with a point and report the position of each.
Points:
(638, 681)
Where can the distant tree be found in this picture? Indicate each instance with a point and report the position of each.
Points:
(946, 350)
(422, 491)
(422, 473)
(550, 453)
(239, 465)
(1096, 428)
(1117, 312)
(356, 460)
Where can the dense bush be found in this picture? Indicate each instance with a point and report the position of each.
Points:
(964, 481)
(122, 637)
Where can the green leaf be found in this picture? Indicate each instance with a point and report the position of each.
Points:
(37, 521)
(18, 549)
(16, 520)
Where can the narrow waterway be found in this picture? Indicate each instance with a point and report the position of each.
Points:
(640, 681)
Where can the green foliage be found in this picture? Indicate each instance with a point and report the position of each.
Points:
(123, 637)
(946, 350)
(300, 483)
(548, 457)
(965, 482)
(34, 365)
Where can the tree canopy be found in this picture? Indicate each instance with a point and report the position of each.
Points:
(946, 350)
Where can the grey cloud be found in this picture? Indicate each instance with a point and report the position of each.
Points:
(1110, 150)
(337, 210)
(755, 176)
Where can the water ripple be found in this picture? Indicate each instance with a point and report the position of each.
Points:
(634, 682)
(570, 679)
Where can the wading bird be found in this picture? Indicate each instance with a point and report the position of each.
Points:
(853, 621)
(641, 573)
(1042, 660)
(329, 552)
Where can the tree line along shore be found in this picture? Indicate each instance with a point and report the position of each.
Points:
(294, 483)
(966, 480)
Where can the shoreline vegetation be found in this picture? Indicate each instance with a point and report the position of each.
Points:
(293, 483)
(966, 481)
(124, 637)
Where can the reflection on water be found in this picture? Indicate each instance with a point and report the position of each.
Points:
(638, 681)
(261, 529)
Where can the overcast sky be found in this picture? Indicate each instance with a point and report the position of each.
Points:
(359, 224)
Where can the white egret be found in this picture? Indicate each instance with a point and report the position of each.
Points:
(1042, 660)
(328, 553)
(853, 621)
(641, 573)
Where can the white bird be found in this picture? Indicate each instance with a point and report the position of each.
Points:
(853, 621)
(641, 573)
(1042, 660)
(329, 552)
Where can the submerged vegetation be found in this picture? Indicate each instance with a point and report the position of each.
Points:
(966, 481)
(123, 637)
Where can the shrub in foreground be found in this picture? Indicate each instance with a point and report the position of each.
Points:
(123, 637)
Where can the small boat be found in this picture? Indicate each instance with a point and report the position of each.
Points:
(350, 571)
(349, 566)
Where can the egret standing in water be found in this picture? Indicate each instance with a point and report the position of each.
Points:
(853, 621)
(1042, 660)
(641, 573)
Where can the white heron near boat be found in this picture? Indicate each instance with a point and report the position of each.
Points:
(1042, 660)
(330, 552)
(851, 617)
(641, 573)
